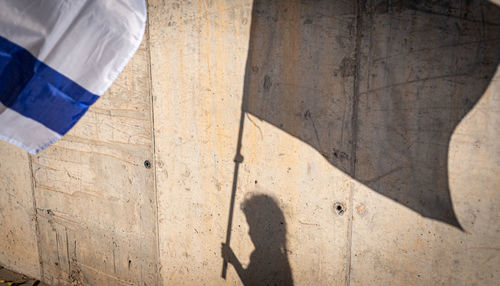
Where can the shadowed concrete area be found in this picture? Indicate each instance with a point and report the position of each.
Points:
(385, 113)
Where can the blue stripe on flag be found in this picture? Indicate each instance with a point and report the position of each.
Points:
(39, 92)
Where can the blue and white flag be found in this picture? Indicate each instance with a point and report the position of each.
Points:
(56, 58)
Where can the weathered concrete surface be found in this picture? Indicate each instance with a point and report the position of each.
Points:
(387, 110)
(421, 72)
(391, 244)
(96, 201)
(199, 54)
(417, 72)
(18, 244)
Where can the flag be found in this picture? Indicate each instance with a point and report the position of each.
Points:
(56, 58)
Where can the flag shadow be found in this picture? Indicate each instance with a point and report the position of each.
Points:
(376, 89)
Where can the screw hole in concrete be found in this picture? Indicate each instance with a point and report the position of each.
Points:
(339, 207)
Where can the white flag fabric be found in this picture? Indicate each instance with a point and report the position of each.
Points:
(56, 58)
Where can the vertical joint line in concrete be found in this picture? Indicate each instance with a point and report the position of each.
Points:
(35, 214)
(354, 131)
(155, 186)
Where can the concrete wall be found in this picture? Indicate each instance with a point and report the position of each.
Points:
(369, 152)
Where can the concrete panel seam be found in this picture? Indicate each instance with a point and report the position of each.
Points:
(354, 132)
(150, 83)
(35, 217)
